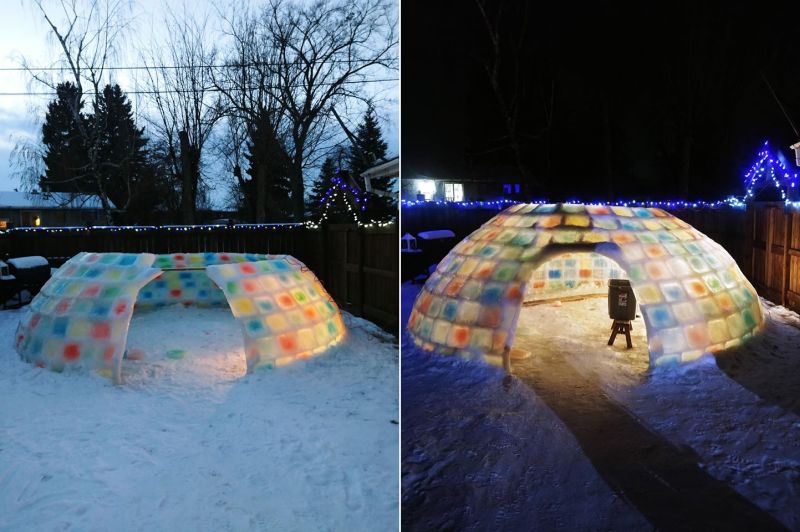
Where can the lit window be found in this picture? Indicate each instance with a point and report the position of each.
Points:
(507, 189)
(453, 192)
(516, 188)
(37, 221)
(426, 187)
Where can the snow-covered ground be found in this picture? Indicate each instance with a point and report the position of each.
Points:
(585, 437)
(190, 442)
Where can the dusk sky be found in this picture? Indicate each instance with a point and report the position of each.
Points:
(23, 33)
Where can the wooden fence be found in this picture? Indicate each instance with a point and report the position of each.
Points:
(764, 239)
(358, 266)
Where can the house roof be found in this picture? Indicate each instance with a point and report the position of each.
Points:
(384, 167)
(12, 199)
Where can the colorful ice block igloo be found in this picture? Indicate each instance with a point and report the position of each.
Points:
(81, 316)
(692, 295)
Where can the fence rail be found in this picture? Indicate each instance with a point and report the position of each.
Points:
(358, 266)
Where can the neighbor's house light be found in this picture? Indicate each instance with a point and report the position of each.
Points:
(426, 187)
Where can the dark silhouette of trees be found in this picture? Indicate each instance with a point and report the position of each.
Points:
(65, 157)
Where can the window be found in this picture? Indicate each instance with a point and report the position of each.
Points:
(453, 192)
(510, 188)
(426, 188)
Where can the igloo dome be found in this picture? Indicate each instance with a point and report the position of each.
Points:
(693, 297)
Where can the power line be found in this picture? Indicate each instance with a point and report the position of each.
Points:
(206, 89)
(170, 67)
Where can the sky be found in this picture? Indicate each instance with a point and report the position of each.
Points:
(23, 33)
(617, 99)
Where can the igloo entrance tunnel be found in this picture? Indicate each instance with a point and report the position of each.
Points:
(82, 314)
(692, 295)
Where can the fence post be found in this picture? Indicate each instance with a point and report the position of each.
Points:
(768, 248)
(325, 275)
(361, 238)
(787, 241)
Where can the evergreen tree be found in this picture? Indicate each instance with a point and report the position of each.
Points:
(65, 157)
(121, 148)
(266, 154)
(368, 150)
(320, 186)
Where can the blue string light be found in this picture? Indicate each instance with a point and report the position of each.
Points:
(503, 203)
(769, 170)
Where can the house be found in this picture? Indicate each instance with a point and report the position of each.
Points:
(384, 168)
(420, 187)
(49, 209)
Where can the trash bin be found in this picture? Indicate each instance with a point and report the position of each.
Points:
(621, 301)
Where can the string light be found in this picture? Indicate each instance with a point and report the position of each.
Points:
(340, 189)
(503, 203)
(151, 228)
(769, 170)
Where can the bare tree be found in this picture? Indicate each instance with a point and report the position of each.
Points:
(314, 57)
(86, 33)
(186, 107)
(508, 81)
(248, 83)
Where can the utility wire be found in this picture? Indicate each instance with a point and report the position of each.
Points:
(780, 105)
(208, 89)
(172, 67)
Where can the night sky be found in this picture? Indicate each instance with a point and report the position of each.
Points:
(645, 100)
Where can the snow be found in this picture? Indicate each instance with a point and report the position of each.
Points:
(191, 442)
(24, 263)
(436, 234)
(586, 436)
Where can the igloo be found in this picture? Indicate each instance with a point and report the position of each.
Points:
(81, 315)
(692, 295)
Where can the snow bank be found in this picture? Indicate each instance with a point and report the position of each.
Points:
(24, 263)
(193, 443)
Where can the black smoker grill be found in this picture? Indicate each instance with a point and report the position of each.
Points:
(621, 301)
(621, 309)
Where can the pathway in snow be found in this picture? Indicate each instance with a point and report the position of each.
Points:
(194, 443)
(661, 480)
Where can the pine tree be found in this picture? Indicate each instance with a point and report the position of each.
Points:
(368, 150)
(320, 186)
(121, 148)
(65, 158)
(266, 152)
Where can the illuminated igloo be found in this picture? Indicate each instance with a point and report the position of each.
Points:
(81, 315)
(692, 295)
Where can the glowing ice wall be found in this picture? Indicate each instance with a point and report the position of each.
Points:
(693, 297)
(184, 279)
(285, 312)
(81, 315)
(573, 274)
